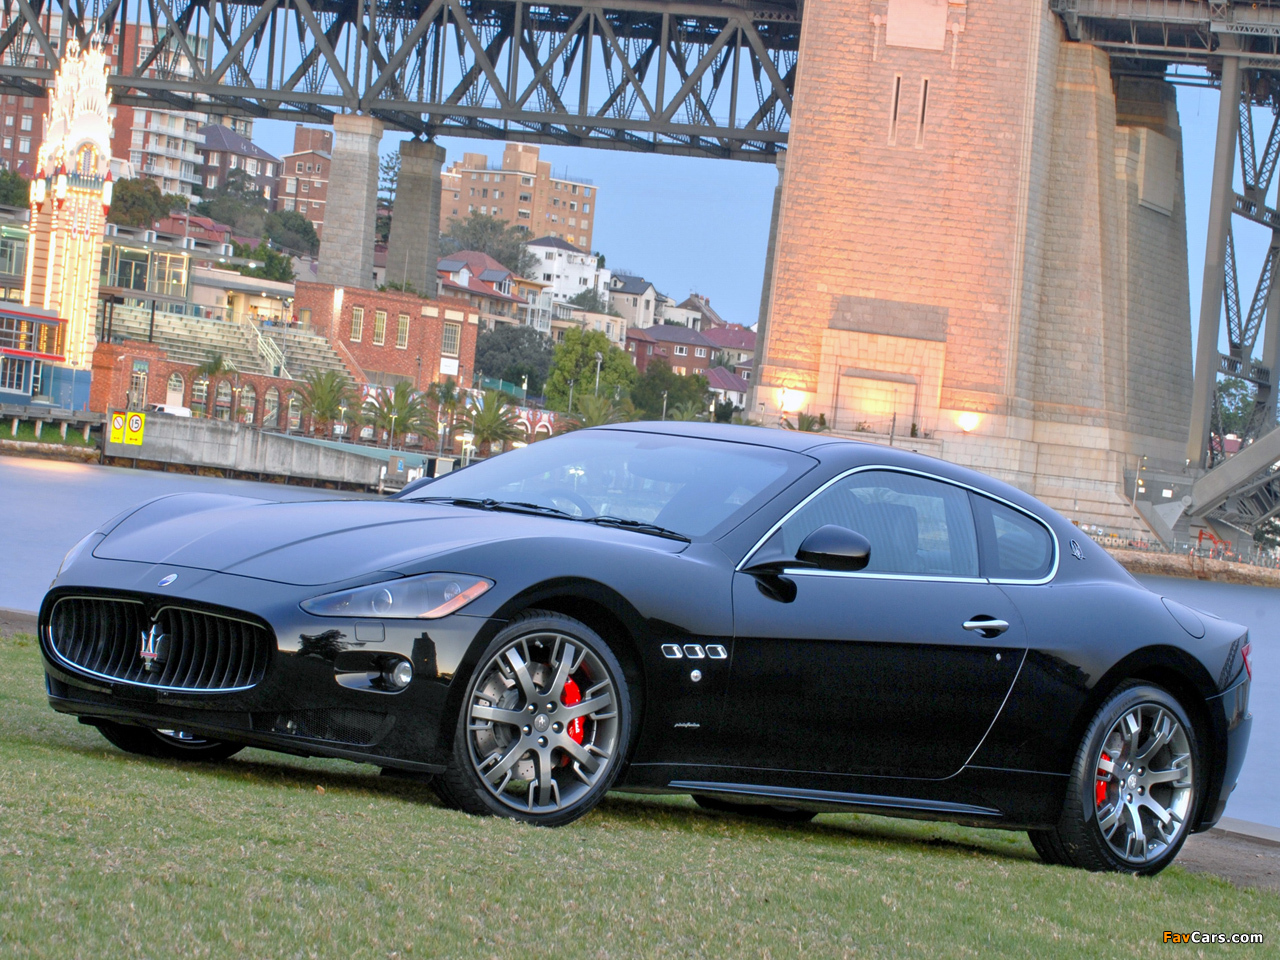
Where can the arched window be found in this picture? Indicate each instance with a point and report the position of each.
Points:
(248, 403)
(271, 408)
(295, 412)
(175, 389)
(199, 396)
(222, 401)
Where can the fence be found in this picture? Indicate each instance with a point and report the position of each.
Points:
(1207, 549)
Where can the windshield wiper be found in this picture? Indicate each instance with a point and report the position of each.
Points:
(508, 506)
(639, 526)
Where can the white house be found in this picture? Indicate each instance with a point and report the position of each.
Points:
(569, 270)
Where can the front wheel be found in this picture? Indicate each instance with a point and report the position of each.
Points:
(544, 725)
(1135, 787)
(166, 744)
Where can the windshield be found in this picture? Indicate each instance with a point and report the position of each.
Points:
(688, 486)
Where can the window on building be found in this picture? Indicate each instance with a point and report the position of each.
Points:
(306, 186)
(586, 208)
(246, 403)
(309, 168)
(586, 191)
(700, 352)
(251, 167)
(526, 198)
(402, 332)
(211, 181)
(524, 214)
(288, 204)
(295, 411)
(526, 181)
(233, 162)
(199, 395)
(302, 206)
(451, 339)
(214, 159)
(271, 408)
(13, 374)
(8, 121)
(357, 324)
(271, 169)
(317, 183)
(297, 167)
(379, 327)
(26, 123)
(8, 143)
(319, 168)
(586, 224)
(24, 144)
(681, 350)
(649, 350)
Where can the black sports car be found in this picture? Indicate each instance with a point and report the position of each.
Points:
(777, 623)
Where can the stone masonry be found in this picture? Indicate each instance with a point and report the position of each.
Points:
(351, 214)
(979, 225)
(414, 243)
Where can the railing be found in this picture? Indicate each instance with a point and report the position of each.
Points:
(271, 354)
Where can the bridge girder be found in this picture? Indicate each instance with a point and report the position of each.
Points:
(696, 77)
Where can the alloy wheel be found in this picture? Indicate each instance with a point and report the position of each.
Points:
(542, 723)
(1144, 784)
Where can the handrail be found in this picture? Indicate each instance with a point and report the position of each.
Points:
(270, 352)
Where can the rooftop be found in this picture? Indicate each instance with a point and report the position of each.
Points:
(733, 337)
(625, 283)
(218, 137)
(664, 333)
(554, 243)
(718, 378)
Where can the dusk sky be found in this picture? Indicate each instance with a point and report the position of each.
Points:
(692, 224)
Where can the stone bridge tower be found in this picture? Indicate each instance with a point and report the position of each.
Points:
(982, 247)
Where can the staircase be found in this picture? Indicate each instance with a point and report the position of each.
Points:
(192, 340)
(305, 353)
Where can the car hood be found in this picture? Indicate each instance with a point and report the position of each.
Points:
(307, 543)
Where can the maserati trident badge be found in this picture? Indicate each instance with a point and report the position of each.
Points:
(153, 650)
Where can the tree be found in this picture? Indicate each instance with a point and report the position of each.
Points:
(290, 230)
(575, 359)
(686, 410)
(593, 411)
(271, 265)
(446, 396)
(324, 394)
(239, 185)
(398, 410)
(215, 366)
(511, 353)
(244, 217)
(659, 378)
(492, 420)
(806, 423)
(388, 177)
(1235, 398)
(724, 411)
(137, 203)
(591, 301)
(15, 189)
(504, 243)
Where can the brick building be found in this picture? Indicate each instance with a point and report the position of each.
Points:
(385, 337)
(686, 351)
(21, 132)
(733, 342)
(225, 150)
(523, 192)
(304, 175)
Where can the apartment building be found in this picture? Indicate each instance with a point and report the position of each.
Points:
(225, 150)
(686, 351)
(635, 298)
(304, 176)
(21, 132)
(568, 270)
(523, 192)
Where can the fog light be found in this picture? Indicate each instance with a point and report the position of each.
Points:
(398, 677)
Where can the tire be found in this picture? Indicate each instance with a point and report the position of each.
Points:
(1135, 787)
(764, 811)
(514, 757)
(167, 744)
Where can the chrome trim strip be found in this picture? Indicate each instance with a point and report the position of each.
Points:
(85, 671)
(1053, 537)
(833, 797)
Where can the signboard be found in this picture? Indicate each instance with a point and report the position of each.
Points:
(449, 366)
(135, 424)
(117, 428)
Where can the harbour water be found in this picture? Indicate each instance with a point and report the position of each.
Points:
(49, 505)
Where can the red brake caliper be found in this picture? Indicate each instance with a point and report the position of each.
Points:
(1100, 788)
(572, 696)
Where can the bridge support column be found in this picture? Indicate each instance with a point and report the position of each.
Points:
(351, 213)
(414, 244)
(1221, 203)
(766, 291)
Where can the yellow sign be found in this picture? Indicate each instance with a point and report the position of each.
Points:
(117, 428)
(134, 427)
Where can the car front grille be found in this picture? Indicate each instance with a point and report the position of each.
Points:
(196, 650)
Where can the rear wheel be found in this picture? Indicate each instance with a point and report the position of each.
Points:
(766, 811)
(544, 726)
(169, 744)
(1134, 789)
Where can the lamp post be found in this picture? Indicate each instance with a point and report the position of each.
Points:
(392, 438)
(664, 405)
(599, 361)
(571, 383)
(417, 379)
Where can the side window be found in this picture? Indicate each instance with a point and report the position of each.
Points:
(1015, 547)
(916, 525)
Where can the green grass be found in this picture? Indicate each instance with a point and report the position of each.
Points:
(108, 855)
(49, 433)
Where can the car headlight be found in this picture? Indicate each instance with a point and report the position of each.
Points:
(428, 597)
(74, 553)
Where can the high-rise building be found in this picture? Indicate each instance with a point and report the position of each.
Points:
(304, 175)
(523, 192)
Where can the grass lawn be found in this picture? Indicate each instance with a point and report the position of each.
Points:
(49, 433)
(107, 855)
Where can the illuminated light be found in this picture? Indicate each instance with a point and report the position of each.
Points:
(791, 401)
(38, 188)
(60, 187)
(337, 301)
(968, 421)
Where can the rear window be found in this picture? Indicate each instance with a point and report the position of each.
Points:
(1016, 547)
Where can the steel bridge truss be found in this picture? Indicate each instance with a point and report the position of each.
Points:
(711, 78)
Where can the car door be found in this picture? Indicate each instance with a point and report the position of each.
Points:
(883, 672)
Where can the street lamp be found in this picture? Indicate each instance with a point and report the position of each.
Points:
(392, 438)
(664, 405)
(571, 383)
(599, 361)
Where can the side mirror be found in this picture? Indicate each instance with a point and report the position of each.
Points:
(835, 548)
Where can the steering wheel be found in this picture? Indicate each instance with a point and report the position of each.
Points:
(568, 496)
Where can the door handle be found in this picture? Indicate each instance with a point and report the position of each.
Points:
(988, 628)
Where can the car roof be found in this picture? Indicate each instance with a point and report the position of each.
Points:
(792, 440)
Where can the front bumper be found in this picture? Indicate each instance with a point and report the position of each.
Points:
(318, 695)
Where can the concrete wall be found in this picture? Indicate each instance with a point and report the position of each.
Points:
(351, 214)
(230, 446)
(414, 243)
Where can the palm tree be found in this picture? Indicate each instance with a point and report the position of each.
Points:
(446, 396)
(596, 412)
(493, 420)
(807, 423)
(324, 395)
(686, 411)
(218, 366)
(398, 410)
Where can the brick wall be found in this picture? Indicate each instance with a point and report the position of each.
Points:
(388, 363)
